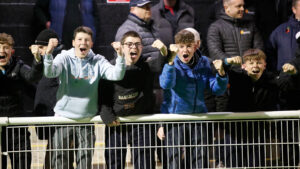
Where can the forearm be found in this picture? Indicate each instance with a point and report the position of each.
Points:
(117, 71)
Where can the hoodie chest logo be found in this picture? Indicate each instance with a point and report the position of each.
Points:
(245, 32)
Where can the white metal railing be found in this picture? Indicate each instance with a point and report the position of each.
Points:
(231, 140)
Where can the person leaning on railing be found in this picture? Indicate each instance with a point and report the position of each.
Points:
(187, 74)
(79, 70)
(14, 74)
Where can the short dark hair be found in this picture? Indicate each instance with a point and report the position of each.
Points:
(6, 39)
(83, 29)
(253, 54)
(130, 34)
(294, 2)
(184, 37)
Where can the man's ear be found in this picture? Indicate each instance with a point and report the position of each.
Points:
(73, 43)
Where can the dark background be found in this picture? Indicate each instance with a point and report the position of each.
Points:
(16, 18)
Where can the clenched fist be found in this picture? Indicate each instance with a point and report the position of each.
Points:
(53, 42)
(236, 60)
(36, 52)
(160, 46)
(118, 48)
(219, 67)
(174, 49)
(289, 68)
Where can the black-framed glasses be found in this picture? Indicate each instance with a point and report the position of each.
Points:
(131, 44)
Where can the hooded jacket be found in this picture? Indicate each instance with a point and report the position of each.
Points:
(131, 96)
(282, 44)
(12, 81)
(77, 95)
(229, 37)
(187, 85)
(185, 19)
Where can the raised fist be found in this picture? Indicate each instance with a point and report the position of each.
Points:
(160, 46)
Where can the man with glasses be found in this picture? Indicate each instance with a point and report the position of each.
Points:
(129, 97)
(139, 20)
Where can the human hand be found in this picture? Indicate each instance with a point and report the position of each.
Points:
(118, 48)
(219, 67)
(53, 42)
(160, 46)
(35, 52)
(289, 68)
(161, 133)
(174, 49)
(236, 60)
(114, 123)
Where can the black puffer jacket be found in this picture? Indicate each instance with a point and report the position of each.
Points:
(229, 37)
(185, 19)
(16, 75)
(130, 96)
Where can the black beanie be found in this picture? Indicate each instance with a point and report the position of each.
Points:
(44, 36)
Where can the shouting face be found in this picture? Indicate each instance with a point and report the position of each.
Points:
(186, 51)
(255, 67)
(5, 53)
(82, 43)
(132, 49)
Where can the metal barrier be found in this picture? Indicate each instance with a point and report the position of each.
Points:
(213, 140)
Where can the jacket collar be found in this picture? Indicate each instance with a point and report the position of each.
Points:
(139, 21)
(293, 21)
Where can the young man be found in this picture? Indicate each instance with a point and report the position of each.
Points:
(14, 74)
(79, 71)
(129, 97)
(187, 75)
(252, 88)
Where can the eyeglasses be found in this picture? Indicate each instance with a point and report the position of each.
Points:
(131, 44)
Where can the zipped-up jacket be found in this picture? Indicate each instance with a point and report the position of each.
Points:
(187, 85)
(229, 37)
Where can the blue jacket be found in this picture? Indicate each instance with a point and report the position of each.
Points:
(187, 85)
(282, 44)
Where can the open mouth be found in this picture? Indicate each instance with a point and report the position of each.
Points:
(82, 49)
(2, 57)
(133, 54)
(255, 71)
(185, 56)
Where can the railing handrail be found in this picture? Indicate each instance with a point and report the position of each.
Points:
(295, 114)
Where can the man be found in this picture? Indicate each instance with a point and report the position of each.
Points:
(230, 36)
(139, 20)
(186, 75)
(282, 42)
(171, 16)
(14, 74)
(79, 70)
(129, 97)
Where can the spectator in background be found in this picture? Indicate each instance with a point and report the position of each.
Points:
(171, 16)
(231, 36)
(79, 70)
(63, 16)
(129, 97)
(282, 42)
(13, 74)
(187, 75)
(139, 20)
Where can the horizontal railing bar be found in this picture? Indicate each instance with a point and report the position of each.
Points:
(157, 118)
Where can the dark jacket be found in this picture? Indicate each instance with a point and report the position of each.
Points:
(187, 85)
(16, 76)
(290, 95)
(185, 19)
(247, 95)
(282, 44)
(229, 37)
(131, 96)
(148, 35)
